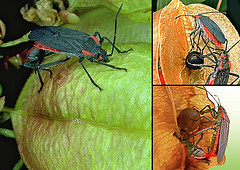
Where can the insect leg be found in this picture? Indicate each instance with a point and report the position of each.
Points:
(200, 65)
(203, 131)
(215, 58)
(80, 61)
(199, 36)
(193, 34)
(199, 139)
(41, 81)
(194, 37)
(205, 46)
(112, 66)
(114, 37)
(212, 111)
(216, 49)
(203, 112)
(235, 75)
(98, 34)
(113, 46)
(36, 67)
(196, 27)
(53, 63)
(207, 56)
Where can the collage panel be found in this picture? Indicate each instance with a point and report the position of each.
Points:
(195, 65)
(195, 127)
(75, 85)
(194, 44)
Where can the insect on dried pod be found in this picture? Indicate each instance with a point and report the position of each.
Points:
(172, 43)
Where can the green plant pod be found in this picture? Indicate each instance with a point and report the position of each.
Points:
(71, 124)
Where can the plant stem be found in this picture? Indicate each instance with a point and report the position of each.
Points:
(7, 133)
(18, 165)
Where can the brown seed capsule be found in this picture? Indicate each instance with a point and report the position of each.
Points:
(189, 119)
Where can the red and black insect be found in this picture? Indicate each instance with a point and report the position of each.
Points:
(205, 25)
(194, 151)
(189, 119)
(73, 43)
(221, 73)
(221, 131)
(36, 57)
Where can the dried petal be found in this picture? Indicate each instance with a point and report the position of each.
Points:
(43, 14)
(156, 15)
(167, 150)
(69, 17)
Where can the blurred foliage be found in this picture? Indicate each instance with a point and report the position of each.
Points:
(214, 3)
(211, 3)
(163, 3)
(15, 61)
(0, 90)
(2, 30)
(233, 13)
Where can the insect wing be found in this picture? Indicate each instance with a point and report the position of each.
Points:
(211, 78)
(213, 28)
(222, 77)
(223, 138)
(63, 39)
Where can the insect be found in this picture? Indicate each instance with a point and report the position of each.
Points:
(73, 43)
(194, 151)
(195, 59)
(221, 73)
(36, 57)
(205, 25)
(221, 130)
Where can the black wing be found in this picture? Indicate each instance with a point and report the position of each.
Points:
(60, 38)
(223, 138)
(213, 28)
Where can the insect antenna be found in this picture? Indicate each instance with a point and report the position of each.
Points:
(183, 15)
(115, 30)
(210, 12)
(232, 46)
(218, 102)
